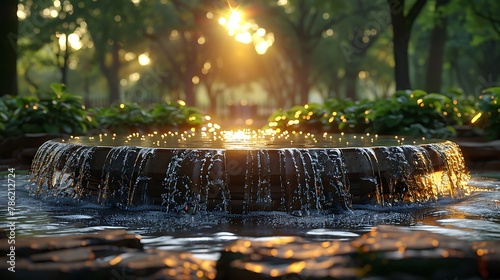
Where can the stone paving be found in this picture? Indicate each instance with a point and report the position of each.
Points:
(481, 156)
(386, 252)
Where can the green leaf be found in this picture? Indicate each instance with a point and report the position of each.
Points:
(51, 128)
(30, 128)
(67, 129)
(393, 120)
(492, 90)
(416, 129)
(58, 89)
(437, 100)
(418, 93)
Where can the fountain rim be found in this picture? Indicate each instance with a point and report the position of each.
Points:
(351, 174)
(246, 147)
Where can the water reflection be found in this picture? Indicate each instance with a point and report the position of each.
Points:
(454, 234)
(472, 218)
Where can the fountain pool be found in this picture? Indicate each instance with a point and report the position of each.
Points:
(244, 171)
(236, 204)
(446, 239)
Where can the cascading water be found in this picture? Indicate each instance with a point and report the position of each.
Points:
(249, 171)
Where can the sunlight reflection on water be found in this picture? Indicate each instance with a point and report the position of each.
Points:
(473, 218)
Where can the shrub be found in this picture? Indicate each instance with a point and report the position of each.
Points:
(413, 113)
(60, 112)
(174, 114)
(489, 106)
(55, 111)
(122, 118)
(131, 117)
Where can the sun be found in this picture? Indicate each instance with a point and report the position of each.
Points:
(246, 31)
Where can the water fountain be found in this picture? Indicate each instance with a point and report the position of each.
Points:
(242, 171)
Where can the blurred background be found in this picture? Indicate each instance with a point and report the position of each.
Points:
(241, 60)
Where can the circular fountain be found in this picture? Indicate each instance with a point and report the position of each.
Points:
(242, 171)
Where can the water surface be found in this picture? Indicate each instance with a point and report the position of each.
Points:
(476, 217)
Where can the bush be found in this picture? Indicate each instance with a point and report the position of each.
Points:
(60, 112)
(412, 113)
(489, 106)
(176, 114)
(55, 111)
(122, 118)
(131, 117)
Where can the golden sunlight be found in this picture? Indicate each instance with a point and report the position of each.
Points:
(476, 117)
(233, 22)
(246, 31)
(62, 42)
(144, 59)
(74, 41)
(238, 135)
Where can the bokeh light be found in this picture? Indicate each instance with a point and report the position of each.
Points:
(246, 31)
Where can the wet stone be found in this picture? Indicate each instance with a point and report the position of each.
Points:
(66, 255)
(386, 252)
(28, 246)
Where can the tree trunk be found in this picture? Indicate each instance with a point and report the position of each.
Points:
(190, 64)
(213, 104)
(436, 50)
(111, 73)
(86, 86)
(350, 79)
(27, 78)
(189, 91)
(64, 66)
(114, 79)
(303, 76)
(401, 40)
(333, 86)
(8, 47)
(401, 28)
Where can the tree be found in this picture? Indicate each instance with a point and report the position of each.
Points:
(113, 26)
(176, 40)
(471, 48)
(358, 41)
(401, 26)
(436, 48)
(108, 26)
(299, 27)
(8, 46)
(488, 12)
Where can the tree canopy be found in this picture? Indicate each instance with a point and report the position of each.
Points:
(214, 53)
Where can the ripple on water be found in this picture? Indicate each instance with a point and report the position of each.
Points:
(473, 218)
(74, 217)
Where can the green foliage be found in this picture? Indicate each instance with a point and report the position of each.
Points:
(175, 114)
(55, 111)
(413, 113)
(310, 117)
(335, 115)
(464, 109)
(131, 117)
(122, 118)
(489, 106)
(60, 112)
